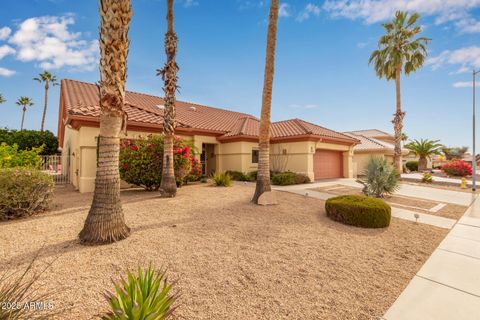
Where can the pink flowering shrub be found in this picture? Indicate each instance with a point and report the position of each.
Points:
(458, 168)
(141, 162)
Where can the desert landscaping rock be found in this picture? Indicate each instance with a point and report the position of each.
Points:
(232, 259)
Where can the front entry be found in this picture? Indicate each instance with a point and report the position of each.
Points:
(327, 164)
(208, 159)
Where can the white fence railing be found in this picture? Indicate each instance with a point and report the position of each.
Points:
(58, 166)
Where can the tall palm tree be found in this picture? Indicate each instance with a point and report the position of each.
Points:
(24, 102)
(47, 78)
(263, 176)
(399, 52)
(2, 100)
(168, 185)
(105, 222)
(424, 149)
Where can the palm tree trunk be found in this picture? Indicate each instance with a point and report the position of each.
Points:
(398, 125)
(422, 163)
(263, 176)
(168, 185)
(105, 222)
(44, 107)
(23, 117)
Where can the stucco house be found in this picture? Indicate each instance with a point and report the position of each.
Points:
(373, 142)
(227, 140)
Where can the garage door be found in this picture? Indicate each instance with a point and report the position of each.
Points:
(328, 164)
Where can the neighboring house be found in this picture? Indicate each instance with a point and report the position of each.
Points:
(373, 142)
(227, 140)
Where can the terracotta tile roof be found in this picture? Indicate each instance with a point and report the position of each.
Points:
(370, 144)
(371, 133)
(81, 99)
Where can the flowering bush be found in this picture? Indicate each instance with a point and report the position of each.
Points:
(11, 157)
(141, 162)
(458, 168)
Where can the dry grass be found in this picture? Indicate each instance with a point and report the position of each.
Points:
(233, 260)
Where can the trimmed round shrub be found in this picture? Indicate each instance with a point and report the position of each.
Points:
(301, 178)
(24, 192)
(289, 178)
(412, 165)
(359, 211)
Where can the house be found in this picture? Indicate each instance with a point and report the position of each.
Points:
(373, 142)
(227, 140)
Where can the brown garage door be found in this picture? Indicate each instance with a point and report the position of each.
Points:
(328, 164)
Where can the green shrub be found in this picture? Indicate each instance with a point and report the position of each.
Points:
(222, 179)
(252, 175)
(239, 176)
(359, 211)
(11, 157)
(380, 178)
(142, 296)
(24, 192)
(427, 177)
(289, 178)
(141, 162)
(412, 165)
(28, 139)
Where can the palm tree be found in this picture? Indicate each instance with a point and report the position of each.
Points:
(424, 149)
(399, 51)
(263, 176)
(24, 102)
(168, 185)
(2, 100)
(47, 78)
(105, 222)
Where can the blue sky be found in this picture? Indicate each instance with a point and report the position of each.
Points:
(322, 73)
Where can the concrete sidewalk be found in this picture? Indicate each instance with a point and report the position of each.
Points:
(448, 285)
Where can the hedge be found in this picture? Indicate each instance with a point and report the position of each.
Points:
(289, 178)
(412, 165)
(28, 139)
(359, 211)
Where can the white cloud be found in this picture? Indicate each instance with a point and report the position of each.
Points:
(5, 32)
(362, 45)
(6, 50)
(466, 58)
(309, 10)
(284, 10)
(465, 84)
(190, 3)
(468, 25)
(373, 11)
(6, 72)
(49, 41)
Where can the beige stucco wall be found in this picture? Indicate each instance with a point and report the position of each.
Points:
(236, 156)
(360, 160)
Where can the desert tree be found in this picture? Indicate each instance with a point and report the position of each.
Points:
(424, 149)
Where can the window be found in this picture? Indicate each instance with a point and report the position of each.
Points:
(254, 156)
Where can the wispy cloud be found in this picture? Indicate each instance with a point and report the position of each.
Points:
(373, 11)
(5, 32)
(466, 58)
(4, 72)
(49, 41)
(465, 84)
(284, 10)
(189, 3)
(6, 50)
(309, 10)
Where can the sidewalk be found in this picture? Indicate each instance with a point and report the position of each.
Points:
(448, 285)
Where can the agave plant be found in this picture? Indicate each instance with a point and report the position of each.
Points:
(145, 296)
(381, 178)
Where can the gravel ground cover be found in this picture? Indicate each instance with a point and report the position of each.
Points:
(232, 259)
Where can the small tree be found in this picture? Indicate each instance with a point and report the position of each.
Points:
(2, 100)
(454, 153)
(24, 102)
(424, 149)
(381, 178)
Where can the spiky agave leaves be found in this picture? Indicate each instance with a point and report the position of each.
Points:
(380, 178)
(144, 296)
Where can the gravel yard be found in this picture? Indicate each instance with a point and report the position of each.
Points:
(232, 259)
